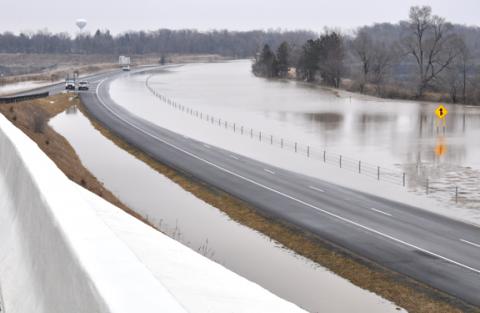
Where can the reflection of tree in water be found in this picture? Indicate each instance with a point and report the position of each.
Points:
(417, 139)
(324, 120)
(71, 110)
(325, 125)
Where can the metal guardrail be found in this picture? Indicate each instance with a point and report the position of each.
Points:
(353, 165)
(32, 96)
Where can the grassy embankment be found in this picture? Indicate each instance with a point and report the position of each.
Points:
(32, 118)
(405, 292)
(384, 91)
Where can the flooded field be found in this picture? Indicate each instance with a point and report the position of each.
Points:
(210, 232)
(404, 136)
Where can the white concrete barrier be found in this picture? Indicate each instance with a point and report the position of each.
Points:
(65, 250)
(56, 255)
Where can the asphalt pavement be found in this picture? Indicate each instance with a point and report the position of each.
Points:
(433, 249)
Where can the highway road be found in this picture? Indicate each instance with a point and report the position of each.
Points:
(441, 252)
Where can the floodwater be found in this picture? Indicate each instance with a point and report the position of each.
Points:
(209, 231)
(404, 136)
(21, 86)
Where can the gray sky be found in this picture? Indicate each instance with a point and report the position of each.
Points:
(119, 16)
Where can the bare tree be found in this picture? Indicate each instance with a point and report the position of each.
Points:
(364, 51)
(455, 77)
(331, 57)
(430, 43)
(376, 59)
(383, 59)
(465, 66)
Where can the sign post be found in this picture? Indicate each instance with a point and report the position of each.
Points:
(441, 112)
(441, 146)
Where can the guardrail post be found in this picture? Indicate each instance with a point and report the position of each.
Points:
(251, 132)
(403, 179)
(456, 194)
(241, 130)
(360, 167)
(260, 136)
(378, 172)
(226, 124)
(426, 187)
(340, 161)
(234, 127)
(271, 139)
(281, 143)
(324, 156)
(295, 147)
(308, 151)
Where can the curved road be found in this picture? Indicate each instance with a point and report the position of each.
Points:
(433, 249)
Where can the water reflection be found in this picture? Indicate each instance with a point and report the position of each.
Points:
(210, 232)
(390, 133)
(71, 110)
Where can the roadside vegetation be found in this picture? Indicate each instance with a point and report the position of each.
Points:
(401, 290)
(424, 57)
(32, 118)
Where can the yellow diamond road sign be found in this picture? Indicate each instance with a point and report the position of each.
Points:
(441, 111)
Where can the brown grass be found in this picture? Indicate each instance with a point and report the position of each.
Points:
(405, 292)
(401, 290)
(32, 118)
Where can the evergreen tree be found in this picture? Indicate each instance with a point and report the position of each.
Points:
(266, 63)
(283, 59)
(308, 64)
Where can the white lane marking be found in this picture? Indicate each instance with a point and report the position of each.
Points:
(206, 146)
(346, 220)
(269, 171)
(315, 188)
(234, 157)
(470, 243)
(381, 212)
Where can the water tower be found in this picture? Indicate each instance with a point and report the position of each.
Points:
(81, 23)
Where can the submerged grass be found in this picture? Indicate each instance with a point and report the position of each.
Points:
(401, 290)
(32, 118)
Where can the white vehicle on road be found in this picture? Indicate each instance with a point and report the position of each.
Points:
(70, 84)
(83, 85)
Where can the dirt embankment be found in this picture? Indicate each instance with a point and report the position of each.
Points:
(32, 117)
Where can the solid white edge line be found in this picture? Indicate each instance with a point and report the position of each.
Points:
(346, 220)
(269, 171)
(470, 243)
(380, 211)
(315, 188)
(234, 157)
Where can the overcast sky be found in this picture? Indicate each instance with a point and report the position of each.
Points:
(119, 16)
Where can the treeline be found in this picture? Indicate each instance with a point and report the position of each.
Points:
(422, 57)
(226, 43)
